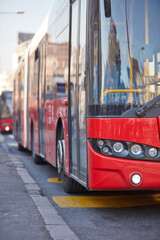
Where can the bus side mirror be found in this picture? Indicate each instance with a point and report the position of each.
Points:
(107, 8)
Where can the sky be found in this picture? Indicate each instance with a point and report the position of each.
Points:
(10, 24)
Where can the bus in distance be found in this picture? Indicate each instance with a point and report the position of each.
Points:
(87, 92)
(6, 118)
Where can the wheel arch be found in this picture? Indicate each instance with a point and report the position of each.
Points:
(59, 127)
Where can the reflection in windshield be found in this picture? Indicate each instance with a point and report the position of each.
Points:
(126, 63)
(6, 105)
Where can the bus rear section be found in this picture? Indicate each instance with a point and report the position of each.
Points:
(6, 118)
(123, 112)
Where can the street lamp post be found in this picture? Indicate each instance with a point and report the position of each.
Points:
(16, 12)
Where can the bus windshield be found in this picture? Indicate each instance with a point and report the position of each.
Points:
(125, 62)
(6, 105)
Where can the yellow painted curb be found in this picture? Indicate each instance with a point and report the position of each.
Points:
(122, 201)
(53, 180)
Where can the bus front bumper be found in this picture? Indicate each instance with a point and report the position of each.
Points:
(107, 173)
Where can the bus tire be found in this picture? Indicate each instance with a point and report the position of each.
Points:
(38, 159)
(72, 186)
(20, 147)
(69, 184)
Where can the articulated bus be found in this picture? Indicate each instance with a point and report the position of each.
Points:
(6, 118)
(86, 96)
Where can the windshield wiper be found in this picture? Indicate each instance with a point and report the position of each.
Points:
(140, 111)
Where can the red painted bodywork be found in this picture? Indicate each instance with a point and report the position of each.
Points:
(33, 120)
(114, 173)
(55, 110)
(6, 122)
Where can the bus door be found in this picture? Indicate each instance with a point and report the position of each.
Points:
(41, 98)
(77, 123)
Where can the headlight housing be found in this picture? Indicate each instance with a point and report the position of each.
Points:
(128, 150)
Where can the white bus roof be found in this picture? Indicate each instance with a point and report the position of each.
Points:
(43, 29)
(39, 34)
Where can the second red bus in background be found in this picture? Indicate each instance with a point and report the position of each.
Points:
(6, 118)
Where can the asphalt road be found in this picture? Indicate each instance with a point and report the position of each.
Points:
(97, 215)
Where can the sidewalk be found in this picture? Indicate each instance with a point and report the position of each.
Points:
(24, 213)
(19, 218)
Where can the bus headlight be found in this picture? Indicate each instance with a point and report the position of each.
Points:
(6, 128)
(100, 142)
(135, 179)
(105, 150)
(118, 147)
(152, 152)
(136, 149)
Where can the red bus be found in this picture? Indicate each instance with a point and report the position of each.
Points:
(20, 103)
(90, 83)
(6, 119)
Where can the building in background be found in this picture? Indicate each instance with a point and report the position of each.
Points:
(6, 78)
(6, 82)
(23, 40)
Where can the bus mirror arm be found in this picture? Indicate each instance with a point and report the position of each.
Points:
(140, 111)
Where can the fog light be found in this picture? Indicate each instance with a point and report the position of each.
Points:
(135, 179)
(118, 147)
(105, 149)
(7, 129)
(136, 149)
(152, 152)
(100, 142)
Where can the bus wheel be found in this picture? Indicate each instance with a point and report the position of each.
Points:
(69, 184)
(60, 158)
